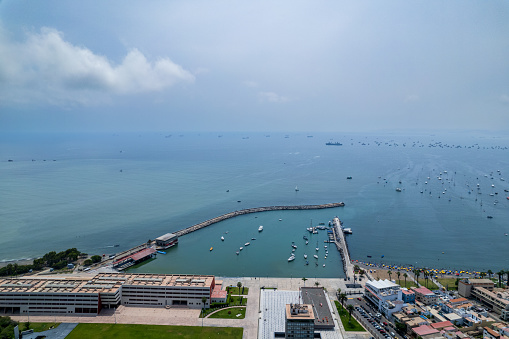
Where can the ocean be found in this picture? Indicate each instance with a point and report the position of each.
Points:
(95, 191)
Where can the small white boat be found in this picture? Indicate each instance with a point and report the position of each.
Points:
(241, 248)
(316, 257)
(260, 228)
(246, 244)
(296, 189)
(292, 258)
(323, 265)
(305, 256)
(222, 238)
(294, 246)
(237, 252)
(325, 246)
(317, 248)
(280, 219)
(307, 242)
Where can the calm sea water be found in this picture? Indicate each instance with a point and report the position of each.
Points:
(95, 191)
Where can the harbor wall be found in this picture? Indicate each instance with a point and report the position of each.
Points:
(254, 210)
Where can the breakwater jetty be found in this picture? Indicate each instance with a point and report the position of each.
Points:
(254, 210)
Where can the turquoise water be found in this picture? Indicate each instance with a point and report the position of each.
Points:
(104, 190)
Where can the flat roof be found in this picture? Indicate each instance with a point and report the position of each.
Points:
(299, 312)
(166, 236)
(100, 283)
(315, 296)
(423, 290)
(441, 324)
(424, 330)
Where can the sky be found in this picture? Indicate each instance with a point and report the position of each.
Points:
(254, 65)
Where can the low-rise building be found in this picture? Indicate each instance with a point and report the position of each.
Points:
(465, 286)
(425, 296)
(85, 295)
(407, 295)
(382, 291)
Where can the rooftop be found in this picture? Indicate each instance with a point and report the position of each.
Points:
(167, 236)
(379, 284)
(423, 291)
(424, 330)
(299, 312)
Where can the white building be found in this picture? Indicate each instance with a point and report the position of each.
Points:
(385, 294)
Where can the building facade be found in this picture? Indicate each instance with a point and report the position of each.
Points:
(383, 294)
(56, 295)
(300, 321)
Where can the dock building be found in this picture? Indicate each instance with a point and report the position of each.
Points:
(166, 241)
(88, 295)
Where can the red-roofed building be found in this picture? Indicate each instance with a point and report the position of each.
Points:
(425, 296)
(218, 295)
(442, 324)
(134, 258)
(488, 333)
(424, 330)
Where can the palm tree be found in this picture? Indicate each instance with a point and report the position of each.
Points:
(426, 276)
(317, 283)
(417, 273)
(304, 279)
(490, 273)
(398, 273)
(239, 285)
(500, 275)
(390, 274)
(342, 298)
(405, 276)
(339, 291)
(349, 307)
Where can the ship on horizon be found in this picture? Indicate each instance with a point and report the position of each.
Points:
(337, 143)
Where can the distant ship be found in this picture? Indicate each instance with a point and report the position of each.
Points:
(334, 144)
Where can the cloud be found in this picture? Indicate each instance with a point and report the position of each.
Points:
(504, 98)
(45, 65)
(272, 97)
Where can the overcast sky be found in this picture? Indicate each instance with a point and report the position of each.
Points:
(254, 65)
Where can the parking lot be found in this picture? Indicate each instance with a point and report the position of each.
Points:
(373, 321)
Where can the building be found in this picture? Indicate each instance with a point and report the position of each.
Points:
(299, 321)
(129, 260)
(407, 295)
(166, 241)
(465, 286)
(425, 296)
(380, 292)
(483, 290)
(85, 295)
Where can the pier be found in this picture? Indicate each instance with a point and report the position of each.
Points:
(254, 210)
(342, 246)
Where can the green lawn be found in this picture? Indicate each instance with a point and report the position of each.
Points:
(124, 331)
(234, 300)
(348, 324)
(223, 314)
(409, 283)
(37, 327)
(448, 281)
(430, 285)
(235, 290)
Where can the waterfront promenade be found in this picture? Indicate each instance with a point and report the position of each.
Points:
(342, 246)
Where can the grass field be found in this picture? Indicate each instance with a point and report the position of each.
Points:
(223, 314)
(409, 283)
(430, 285)
(235, 290)
(448, 281)
(124, 331)
(236, 301)
(348, 324)
(37, 327)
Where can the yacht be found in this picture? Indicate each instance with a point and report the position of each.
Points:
(294, 246)
(307, 242)
(246, 244)
(237, 252)
(316, 257)
(222, 238)
(260, 228)
(296, 189)
(305, 256)
(292, 258)
(241, 248)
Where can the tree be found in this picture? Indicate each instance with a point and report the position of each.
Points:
(490, 273)
(339, 291)
(342, 298)
(500, 275)
(398, 273)
(390, 274)
(349, 307)
(96, 258)
(304, 279)
(417, 273)
(405, 276)
(317, 283)
(239, 285)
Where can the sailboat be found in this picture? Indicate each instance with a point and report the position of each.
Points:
(296, 189)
